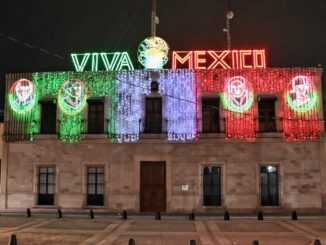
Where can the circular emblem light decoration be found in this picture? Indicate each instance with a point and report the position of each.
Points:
(238, 95)
(72, 96)
(301, 94)
(153, 53)
(22, 96)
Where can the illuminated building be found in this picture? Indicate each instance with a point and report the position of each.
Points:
(239, 136)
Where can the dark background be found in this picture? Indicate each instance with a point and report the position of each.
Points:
(292, 31)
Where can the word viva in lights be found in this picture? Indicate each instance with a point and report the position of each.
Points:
(102, 61)
(225, 59)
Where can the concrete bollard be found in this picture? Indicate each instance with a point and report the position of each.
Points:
(29, 214)
(260, 215)
(226, 215)
(91, 214)
(255, 242)
(59, 214)
(124, 214)
(192, 216)
(12, 240)
(317, 242)
(131, 242)
(294, 215)
(158, 216)
(192, 242)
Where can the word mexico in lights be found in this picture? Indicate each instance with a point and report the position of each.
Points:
(225, 59)
(102, 61)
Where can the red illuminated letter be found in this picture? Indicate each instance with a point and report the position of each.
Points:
(235, 59)
(243, 54)
(219, 59)
(199, 61)
(182, 60)
(259, 59)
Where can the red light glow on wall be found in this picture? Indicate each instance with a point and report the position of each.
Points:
(225, 59)
(297, 123)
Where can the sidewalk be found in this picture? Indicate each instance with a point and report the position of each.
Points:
(170, 230)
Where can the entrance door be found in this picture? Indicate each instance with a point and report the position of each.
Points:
(152, 187)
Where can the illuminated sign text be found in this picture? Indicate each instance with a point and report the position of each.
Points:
(102, 61)
(225, 59)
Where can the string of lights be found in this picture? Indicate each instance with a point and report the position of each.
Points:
(28, 45)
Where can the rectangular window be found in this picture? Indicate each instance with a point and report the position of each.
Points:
(153, 116)
(212, 185)
(48, 117)
(269, 185)
(95, 186)
(210, 115)
(46, 185)
(266, 110)
(95, 117)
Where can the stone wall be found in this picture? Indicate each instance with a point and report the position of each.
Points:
(301, 164)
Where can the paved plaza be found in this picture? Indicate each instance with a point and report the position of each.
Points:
(79, 229)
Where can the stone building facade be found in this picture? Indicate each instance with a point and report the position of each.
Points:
(210, 173)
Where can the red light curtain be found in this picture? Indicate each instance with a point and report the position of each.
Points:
(296, 125)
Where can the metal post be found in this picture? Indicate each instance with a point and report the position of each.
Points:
(12, 240)
(124, 214)
(157, 215)
(29, 214)
(260, 215)
(192, 242)
(226, 215)
(131, 242)
(153, 31)
(59, 214)
(91, 214)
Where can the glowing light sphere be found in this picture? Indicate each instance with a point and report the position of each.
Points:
(301, 94)
(153, 53)
(238, 95)
(22, 96)
(72, 96)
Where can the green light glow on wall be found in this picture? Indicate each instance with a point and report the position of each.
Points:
(231, 106)
(71, 125)
(313, 98)
(116, 61)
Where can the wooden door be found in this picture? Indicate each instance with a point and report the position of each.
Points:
(152, 187)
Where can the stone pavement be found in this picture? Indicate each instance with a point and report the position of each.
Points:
(169, 231)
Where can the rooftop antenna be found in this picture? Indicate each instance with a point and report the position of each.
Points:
(155, 20)
(229, 15)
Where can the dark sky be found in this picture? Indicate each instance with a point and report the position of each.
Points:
(292, 31)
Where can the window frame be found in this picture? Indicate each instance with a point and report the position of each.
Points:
(149, 128)
(54, 130)
(221, 167)
(278, 166)
(91, 102)
(266, 121)
(218, 129)
(53, 184)
(96, 184)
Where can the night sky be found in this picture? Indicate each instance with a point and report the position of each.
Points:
(293, 32)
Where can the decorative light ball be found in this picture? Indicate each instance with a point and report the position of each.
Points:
(153, 53)
(22, 96)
